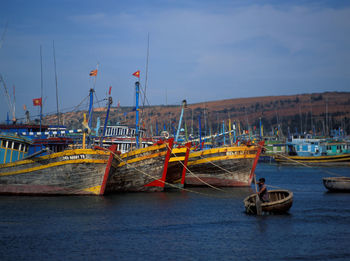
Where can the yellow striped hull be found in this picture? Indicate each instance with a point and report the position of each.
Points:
(79, 171)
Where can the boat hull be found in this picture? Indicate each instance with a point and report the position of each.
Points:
(323, 160)
(225, 167)
(71, 172)
(337, 184)
(177, 167)
(280, 202)
(140, 170)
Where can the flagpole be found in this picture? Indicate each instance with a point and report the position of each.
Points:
(96, 76)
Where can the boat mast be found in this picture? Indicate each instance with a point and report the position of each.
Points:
(91, 95)
(137, 88)
(54, 61)
(110, 101)
(92, 98)
(182, 113)
(41, 70)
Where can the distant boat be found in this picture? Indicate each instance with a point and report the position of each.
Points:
(315, 150)
(337, 184)
(272, 147)
(280, 202)
(227, 166)
(70, 172)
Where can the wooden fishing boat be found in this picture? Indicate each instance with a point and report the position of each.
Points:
(143, 169)
(70, 172)
(13, 147)
(280, 202)
(337, 184)
(177, 166)
(229, 166)
(315, 151)
(323, 160)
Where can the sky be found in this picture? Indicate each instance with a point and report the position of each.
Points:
(198, 50)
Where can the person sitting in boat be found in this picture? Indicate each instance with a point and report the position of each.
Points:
(263, 194)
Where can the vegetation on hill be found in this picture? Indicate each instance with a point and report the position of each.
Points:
(320, 112)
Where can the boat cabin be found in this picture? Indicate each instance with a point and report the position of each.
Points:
(13, 147)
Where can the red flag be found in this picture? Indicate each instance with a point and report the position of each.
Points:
(137, 74)
(93, 73)
(110, 90)
(37, 102)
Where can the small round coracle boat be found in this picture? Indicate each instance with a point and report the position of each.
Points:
(337, 184)
(280, 201)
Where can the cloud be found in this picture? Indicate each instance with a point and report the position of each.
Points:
(198, 52)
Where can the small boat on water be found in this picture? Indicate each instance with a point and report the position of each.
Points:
(337, 184)
(280, 202)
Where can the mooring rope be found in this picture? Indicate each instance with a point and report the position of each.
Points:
(154, 178)
(194, 175)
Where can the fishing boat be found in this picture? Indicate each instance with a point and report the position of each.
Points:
(272, 147)
(177, 166)
(280, 201)
(54, 167)
(140, 168)
(315, 151)
(13, 147)
(143, 169)
(337, 184)
(228, 166)
(70, 172)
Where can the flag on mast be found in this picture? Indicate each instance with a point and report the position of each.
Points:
(93, 73)
(137, 74)
(37, 102)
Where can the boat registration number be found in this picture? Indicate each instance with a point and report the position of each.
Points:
(74, 157)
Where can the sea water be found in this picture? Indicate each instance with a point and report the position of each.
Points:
(198, 224)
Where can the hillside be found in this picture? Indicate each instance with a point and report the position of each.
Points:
(322, 111)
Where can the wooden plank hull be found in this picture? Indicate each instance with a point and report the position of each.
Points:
(337, 184)
(177, 167)
(280, 202)
(71, 172)
(140, 170)
(226, 166)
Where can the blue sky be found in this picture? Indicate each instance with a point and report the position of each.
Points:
(199, 50)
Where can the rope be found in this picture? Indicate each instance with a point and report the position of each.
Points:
(194, 175)
(166, 183)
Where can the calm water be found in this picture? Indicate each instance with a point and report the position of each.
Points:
(181, 225)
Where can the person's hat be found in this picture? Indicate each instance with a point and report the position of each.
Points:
(261, 180)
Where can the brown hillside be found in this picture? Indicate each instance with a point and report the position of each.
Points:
(323, 111)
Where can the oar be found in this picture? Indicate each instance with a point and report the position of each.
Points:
(257, 200)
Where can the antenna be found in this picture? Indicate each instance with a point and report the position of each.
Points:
(8, 98)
